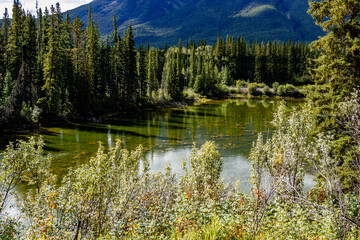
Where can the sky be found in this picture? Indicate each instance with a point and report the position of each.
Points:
(31, 4)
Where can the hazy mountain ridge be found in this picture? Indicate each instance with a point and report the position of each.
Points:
(160, 21)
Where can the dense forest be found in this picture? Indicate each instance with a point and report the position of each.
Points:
(55, 68)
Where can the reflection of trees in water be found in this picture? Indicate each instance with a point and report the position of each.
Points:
(232, 124)
(225, 122)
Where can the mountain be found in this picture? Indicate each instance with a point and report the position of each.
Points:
(160, 21)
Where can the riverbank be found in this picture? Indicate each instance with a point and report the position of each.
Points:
(190, 99)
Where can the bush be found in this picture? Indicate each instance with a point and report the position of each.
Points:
(275, 86)
(191, 96)
(253, 89)
(288, 90)
(8, 229)
(266, 91)
(115, 196)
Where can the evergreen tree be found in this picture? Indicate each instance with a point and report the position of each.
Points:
(105, 69)
(96, 92)
(5, 27)
(260, 67)
(53, 77)
(28, 92)
(150, 74)
(131, 80)
(116, 67)
(141, 71)
(337, 75)
(78, 88)
(14, 47)
(176, 83)
(4, 37)
(337, 67)
(192, 67)
(290, 62)
(8, 86)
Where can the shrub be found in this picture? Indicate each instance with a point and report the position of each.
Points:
(288, 90)
(241, 84)
(275, 86)
(191, 96)
(266, 91)
(253, 89)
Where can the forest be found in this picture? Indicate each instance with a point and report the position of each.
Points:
(55, 68)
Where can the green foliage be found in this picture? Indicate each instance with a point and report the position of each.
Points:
(8, 86)
(275, 86)
(278, 172)
(288, 90)
(8, 228)
(336, 68)
(116, 196)
(266, 91)
(253, 89)
(284, 155)
(339, 59)
(25, 161)
(204, 176)
(63, 70)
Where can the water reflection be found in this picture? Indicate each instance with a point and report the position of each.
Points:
(168, 135)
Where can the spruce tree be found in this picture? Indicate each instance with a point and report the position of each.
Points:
(78, 88)
(260, 67)
(130, 81)
(8, 86)
(336, 73)
(141, 71)
(337, 68)
(4, 37)
(14, 47)
(92, 49)
(150, 74)
(53, 77)
(192, 67)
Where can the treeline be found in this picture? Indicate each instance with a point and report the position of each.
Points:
(53, 67)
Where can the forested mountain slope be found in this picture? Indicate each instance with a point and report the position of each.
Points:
(160, 21)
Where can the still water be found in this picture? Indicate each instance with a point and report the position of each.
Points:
(168, 135)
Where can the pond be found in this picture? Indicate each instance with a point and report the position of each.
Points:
(168, 135)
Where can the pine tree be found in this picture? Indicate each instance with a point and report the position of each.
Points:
(339, 63)
(337, 67)
(141, 71)
(8, 86)
(150, 74)
(336, 73)
(260, 66)
(68, 43)
(290, 62)
(130, 81)
(270, 63)
(14, 49)
(78, 88)
(53, 77)
(28, 92)
(92, 48)
(105, 69)
(192, 67)
(177, 83)
(4, 37)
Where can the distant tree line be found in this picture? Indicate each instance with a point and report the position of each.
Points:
(54, 67)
